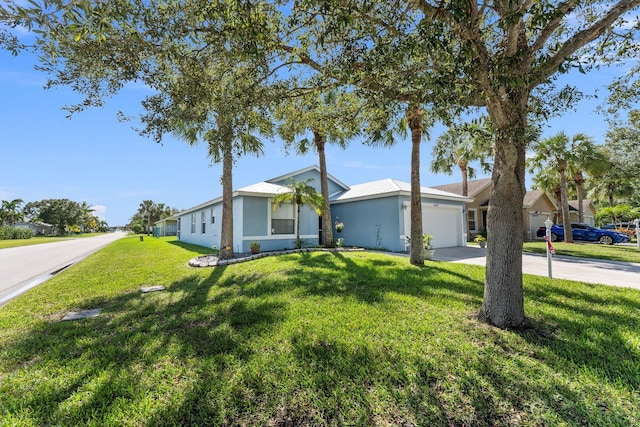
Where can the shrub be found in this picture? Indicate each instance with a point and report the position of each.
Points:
(9, 233)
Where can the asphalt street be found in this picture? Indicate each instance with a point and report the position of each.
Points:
(24, 267)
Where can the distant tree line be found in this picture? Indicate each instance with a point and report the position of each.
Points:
(66, 215)
(148, 214)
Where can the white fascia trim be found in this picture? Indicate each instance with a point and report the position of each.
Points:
(403, 193)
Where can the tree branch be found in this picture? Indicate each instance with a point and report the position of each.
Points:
(553, 25)
(581, 39)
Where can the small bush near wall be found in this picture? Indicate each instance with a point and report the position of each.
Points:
(10, 233)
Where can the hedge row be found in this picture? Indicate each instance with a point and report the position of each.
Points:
(8, 233)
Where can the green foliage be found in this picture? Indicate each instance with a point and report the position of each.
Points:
(10, 212)
(10, 233)
(63, 213)
(149, 213)
(460, 146)
(301, 194)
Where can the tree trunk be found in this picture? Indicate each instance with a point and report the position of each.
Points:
(613, 214)
(327, 229)
(566, 219)
(503, 303)
(226, 233)
(579, 180)
(465, 179)
(298, 242)
(414, 119)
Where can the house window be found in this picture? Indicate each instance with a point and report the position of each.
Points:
(471, 220)
(213, 218)
(203, 220)
(193, 223)
(283, 219)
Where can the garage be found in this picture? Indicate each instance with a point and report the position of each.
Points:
(443, 222)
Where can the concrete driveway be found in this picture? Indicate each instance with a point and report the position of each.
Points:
(24, 267)
(588, 270)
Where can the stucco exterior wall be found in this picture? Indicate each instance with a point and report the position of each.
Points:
(212, 223)
(374, 224)
(257, 226)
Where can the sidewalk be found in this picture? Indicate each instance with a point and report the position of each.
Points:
(615, 273)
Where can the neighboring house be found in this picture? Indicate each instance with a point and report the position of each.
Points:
(588, 211)
(536, 207)
(38, 228)
(378, 215)
(166, 227)
(375, 215)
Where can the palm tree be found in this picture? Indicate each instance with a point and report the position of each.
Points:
(10, 212)
(459, 146)
(331, 118)
(555, 152)
(382, 128)
(301, 194)
(585, 157)
(145, 209)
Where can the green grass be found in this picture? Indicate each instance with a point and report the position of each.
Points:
(311, 339)
(12, 243)
(588, 250)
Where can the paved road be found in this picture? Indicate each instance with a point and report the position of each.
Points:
(24, 267)
(625, 274)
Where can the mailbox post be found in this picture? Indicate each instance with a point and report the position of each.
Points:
(548, 223)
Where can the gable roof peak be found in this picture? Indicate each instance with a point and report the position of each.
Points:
(304, 170)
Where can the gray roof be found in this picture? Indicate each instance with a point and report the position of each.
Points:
(573, 205)
(532, 196)
(263, 188)
(474, 186)
(388, 187)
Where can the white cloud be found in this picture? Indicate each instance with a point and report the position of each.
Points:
(100, 211)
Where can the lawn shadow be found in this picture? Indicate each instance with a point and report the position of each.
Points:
(103, 355)
(200, 250)
(370, 278)
(207, 339)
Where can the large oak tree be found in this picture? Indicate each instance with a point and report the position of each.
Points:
(498, 56)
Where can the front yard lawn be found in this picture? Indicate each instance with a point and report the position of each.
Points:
(588, 250)
(310, 339)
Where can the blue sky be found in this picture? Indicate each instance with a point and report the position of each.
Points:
(94, 158)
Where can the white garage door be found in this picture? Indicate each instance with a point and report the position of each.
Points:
(443, 222)
(535, 222)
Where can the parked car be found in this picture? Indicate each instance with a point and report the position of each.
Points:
(630, 225)
(585, 232)
(628, 228)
